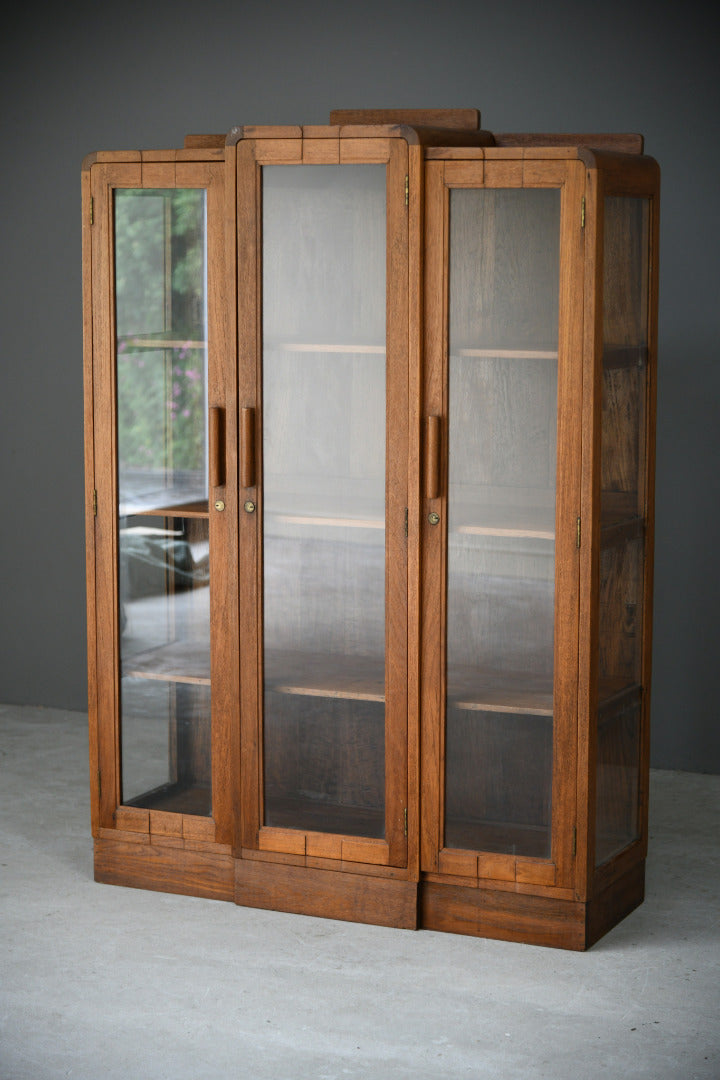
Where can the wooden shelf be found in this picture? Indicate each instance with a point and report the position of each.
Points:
(146, 494)
(518, 522)
(178, 662)
(355, 678)
(144, 342)
(186, 510)
(332, 511)
(176, 798)
(516, 693)
(318, 521)
(507, 354)
(316, 815)
(343, 348)
(499, 838)
(362, 679)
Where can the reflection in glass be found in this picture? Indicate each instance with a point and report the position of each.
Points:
(504, 278)
(163, 540)
(165, 654)
(324, 497)
(161, 329)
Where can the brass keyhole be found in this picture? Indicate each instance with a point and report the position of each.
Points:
(434, 518)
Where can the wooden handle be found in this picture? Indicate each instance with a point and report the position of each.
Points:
(216, 439)
(247, 447)
(432, 457)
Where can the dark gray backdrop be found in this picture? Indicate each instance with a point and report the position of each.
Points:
(84, 77)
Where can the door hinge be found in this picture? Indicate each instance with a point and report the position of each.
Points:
(406, 520)
(92, 210)
(578, 531)
(407, 190)
(94, 502)
(405, 820)
(574, 843)
(99, 779)
(582, 213)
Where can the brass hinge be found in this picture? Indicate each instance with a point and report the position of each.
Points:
(578, 531)
(405, 820)
(574, 843)
(99, 778)
(406, 520)
(407, 190)
(92, 210)
(94, 502)
(582, 213)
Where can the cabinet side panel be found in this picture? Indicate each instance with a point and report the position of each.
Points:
(651, 412)
(90, 496)
(623, 510)
(105, 178)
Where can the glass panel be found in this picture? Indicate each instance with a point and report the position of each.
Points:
(621, 610)
(161, 355)
(160, 272)
(625, 314)
(618, 764)
(324, 497)
(622, 555)
(504, 278)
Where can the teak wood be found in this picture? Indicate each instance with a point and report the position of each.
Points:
(369, 414)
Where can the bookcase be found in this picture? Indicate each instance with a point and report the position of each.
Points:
(369, 448)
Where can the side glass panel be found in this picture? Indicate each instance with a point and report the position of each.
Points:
(323, 392)
(163, 541)
(622, 555)
(503, 313)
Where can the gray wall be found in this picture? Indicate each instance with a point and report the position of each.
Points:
(142, 75)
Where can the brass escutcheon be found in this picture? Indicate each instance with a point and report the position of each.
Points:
(219, 505)
(249, 506)
(434, 518)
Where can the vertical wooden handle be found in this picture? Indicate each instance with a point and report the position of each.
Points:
(247, 447)
(432, 457)
(216, 439)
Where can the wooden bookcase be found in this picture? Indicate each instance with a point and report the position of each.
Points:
(370, 448)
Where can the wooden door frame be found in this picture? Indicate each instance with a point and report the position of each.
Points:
(436, 861)
(324, 147)
(100, 180)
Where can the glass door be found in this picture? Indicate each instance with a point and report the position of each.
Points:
(502, 424)
(160, 470)
(492, 518)
(330, 526)
(163, 536)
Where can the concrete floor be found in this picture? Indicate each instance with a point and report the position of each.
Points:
(98, 982)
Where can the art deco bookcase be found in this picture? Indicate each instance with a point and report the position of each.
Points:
(369, 413)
